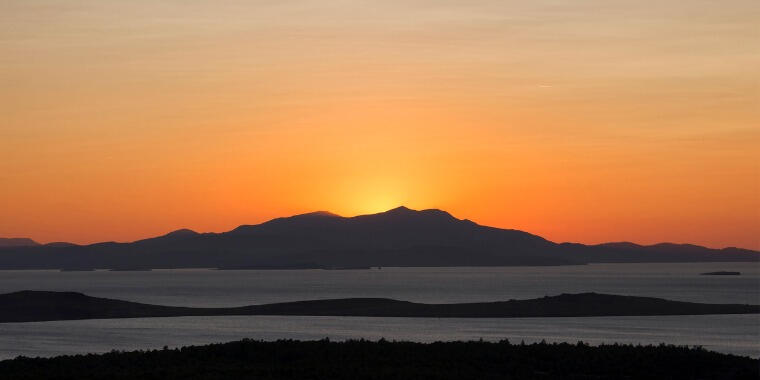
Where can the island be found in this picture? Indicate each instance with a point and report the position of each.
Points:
(130, 269)
(721, 273)
(84, 269)
(32, 306)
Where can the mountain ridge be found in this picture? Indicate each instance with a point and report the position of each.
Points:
(17, 242)
(397, 237)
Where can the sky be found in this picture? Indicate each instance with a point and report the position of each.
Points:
(584, 121)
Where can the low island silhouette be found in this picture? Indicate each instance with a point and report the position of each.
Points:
(721, 273)
(399, 237)
(32, 306)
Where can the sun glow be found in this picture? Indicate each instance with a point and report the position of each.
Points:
(380, 203)
(377, 195)
(475, 108)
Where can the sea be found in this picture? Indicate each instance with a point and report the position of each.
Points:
(735, 334)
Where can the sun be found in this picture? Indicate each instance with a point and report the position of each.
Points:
(373, 196)
(380, 203)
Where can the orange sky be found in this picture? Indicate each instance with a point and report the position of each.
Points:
(589, 122)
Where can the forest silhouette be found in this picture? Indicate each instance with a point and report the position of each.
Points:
(287, 359)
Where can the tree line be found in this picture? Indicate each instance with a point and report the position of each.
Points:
(362, 359)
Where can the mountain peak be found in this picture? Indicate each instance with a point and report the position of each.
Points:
(318, 214)
(405, 213)
(403, 210)
(399, 209)
(181, 232)
(18, 242)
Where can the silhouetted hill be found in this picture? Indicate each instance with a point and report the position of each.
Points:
(398, 237)
(17, 242)
(28, 306)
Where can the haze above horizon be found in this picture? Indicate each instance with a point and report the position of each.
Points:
(586, 122)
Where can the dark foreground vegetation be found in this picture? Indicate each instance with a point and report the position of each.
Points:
(248, 359)
(30, 306)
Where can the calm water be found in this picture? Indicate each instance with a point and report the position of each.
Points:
(738, 334)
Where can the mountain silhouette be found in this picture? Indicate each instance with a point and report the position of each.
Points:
(398, 237)
(17, 242)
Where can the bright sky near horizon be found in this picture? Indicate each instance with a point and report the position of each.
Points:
(584, 121)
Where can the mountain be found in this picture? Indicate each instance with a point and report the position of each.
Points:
(30, 306)
(17, 242)
(398, 237)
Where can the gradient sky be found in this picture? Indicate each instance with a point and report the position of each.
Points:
(583, 121)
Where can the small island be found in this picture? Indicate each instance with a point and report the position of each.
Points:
(84, 269)
(130, 269)
(720, 273)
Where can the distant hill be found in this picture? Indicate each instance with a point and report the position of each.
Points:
(30, 306)
(398, 237)
(17, 242)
